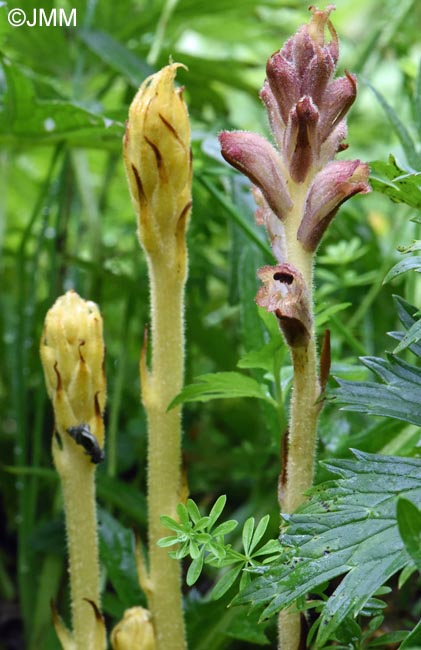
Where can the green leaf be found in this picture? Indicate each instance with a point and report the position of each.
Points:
(401, 186)
(193, 511)
(412, 337)
(225, 528)
(217, 509)
(116, 55)
(400, 130)
(247, 534)
(170, 523)
(117, 553)
(407, 315)
(123, 496)
(348, 527)
(263, 357)
(259, 532)
(323, 316)
(413, 640)
(183, 514)
(164, 542)
(409, 264)
(397, 397)
(409, 522)
(226, 582)
(26, 120)
(222, 385)
(195, 569)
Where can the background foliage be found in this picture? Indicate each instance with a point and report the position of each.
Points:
(66, 221)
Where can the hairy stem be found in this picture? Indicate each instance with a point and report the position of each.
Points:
(77, 475)
(304, 411)
(164, 446)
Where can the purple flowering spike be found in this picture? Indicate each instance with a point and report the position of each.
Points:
(307, 110)
(285, 293)
(256, 158)
(336, 183)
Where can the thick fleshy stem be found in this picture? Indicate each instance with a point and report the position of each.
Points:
(304, 411)
(159, 169)
(159, 387)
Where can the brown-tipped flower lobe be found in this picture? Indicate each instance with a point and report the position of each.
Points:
(285, 293)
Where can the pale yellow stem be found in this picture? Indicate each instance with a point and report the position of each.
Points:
(77, 476)
(164, 446)
(304, 410)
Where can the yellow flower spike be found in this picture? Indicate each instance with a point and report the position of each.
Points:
(135, 630)
(158, 164)
(72, 354)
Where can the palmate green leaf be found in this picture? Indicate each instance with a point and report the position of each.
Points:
(348, 527)
(399, 185)
(24, 119)
(222, 385)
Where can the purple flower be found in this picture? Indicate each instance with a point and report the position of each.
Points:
(256, 158)
(336, 183)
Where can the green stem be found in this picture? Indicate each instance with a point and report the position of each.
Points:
(164, 446)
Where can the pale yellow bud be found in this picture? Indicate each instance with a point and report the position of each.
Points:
(135, 630)
(72, 355)
(157, 155)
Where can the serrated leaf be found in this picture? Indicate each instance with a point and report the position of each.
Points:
(397, 397)
(409, 264)
(25, 119)
(411, 338)
(401, 186)
(409, 523)
(222, 385)
(263, 357)
(349, 527)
